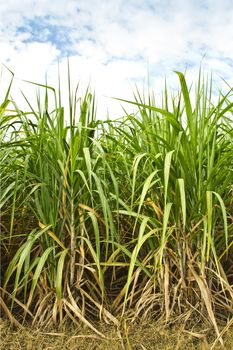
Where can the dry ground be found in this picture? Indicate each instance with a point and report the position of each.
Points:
(150, 336)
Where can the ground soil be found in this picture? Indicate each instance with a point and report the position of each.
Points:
(147, 336)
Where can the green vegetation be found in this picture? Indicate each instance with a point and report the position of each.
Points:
(123, 219)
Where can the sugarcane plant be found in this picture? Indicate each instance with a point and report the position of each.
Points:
(109, 219)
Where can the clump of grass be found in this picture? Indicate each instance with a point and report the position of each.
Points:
(132, 217)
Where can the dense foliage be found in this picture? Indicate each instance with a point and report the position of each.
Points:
(125, 218)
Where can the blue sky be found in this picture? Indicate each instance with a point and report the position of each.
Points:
(113, 43)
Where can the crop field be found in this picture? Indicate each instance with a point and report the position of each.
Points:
(119, 224)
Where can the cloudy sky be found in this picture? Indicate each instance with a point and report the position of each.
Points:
(114, 43)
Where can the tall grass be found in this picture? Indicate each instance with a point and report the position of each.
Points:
(125, 218)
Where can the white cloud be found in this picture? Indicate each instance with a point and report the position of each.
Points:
(111, 42)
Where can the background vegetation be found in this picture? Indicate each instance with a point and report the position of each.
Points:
(124, 219)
